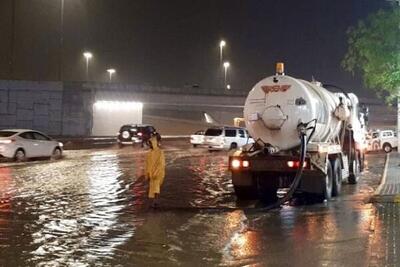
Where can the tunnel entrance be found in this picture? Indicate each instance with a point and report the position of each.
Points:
(109, 116)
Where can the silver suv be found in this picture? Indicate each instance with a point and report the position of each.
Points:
(220, 138)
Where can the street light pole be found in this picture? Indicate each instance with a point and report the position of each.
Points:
(60, 67)
(222, 44)
(111, 72)
(221, 48)
(11, 62)
(87, 56)
(226, 66)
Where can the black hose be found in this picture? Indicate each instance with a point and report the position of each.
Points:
(297, 178)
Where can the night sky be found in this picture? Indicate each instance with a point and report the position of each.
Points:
(175, 43)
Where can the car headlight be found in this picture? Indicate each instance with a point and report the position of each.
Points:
(60, 144)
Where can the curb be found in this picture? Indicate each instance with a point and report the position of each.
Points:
(377, 197)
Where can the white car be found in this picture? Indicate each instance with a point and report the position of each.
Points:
(223, 138)
(197, 139)
(384, 139)
(20, 144)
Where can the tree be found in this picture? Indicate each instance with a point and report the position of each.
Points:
(374, 50)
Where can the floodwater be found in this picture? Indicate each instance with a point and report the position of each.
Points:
(88, 209)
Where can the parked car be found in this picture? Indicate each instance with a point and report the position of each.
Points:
(20, 144)
(385, 140)
(130, 134)
(197, 139)
(220, 138)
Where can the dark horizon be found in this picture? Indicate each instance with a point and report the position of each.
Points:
(176, 43)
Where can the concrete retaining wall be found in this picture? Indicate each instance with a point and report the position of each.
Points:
(67, 108)
(34, 105)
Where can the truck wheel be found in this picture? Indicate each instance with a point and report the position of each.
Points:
(327, 184)
(267, 189)
(387, 147)
(337, 177)
(354, 169)
(362, 161)
(245, 192)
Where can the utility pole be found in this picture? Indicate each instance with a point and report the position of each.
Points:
(61, 52)
(12, 40)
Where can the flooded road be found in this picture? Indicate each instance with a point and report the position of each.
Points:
(89, 210)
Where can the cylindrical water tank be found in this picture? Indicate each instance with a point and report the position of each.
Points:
(277, 104)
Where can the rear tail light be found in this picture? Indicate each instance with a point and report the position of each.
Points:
(8, 141)
(295, 164)
(237, 163)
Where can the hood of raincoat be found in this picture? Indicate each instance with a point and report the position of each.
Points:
(154, 143)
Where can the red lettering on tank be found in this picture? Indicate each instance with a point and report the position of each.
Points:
(275, 88)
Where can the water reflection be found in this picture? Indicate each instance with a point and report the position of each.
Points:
(243, 246)
(82, 226)
(86, 211)
(5, 189)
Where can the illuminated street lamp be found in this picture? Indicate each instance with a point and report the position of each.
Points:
(226, 66)
(221, 47)
(111, 72)
(87, 56)
(228, 87)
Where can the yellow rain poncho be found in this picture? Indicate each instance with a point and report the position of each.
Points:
(155, 168)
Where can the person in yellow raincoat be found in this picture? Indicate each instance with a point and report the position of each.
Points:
(155, 169)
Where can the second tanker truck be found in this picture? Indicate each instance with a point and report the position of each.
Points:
(307, 140)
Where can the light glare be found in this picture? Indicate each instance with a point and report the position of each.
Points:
(118, 105)
(88, 55)
(235, 163)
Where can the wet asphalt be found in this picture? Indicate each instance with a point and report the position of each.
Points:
(89, 209)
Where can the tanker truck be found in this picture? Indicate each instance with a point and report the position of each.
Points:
(307, 140)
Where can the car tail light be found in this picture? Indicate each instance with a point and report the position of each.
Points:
(295, 164)
(8, 141)
(245, 163)
(237, 163)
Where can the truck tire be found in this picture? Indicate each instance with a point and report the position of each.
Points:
(245, 192)
(362, 161)
(387, 147)
(337, 177)
(267, 189)
(327, 184)
(354, 168)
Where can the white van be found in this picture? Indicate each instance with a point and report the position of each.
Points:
(219, 138)
(382, 139)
